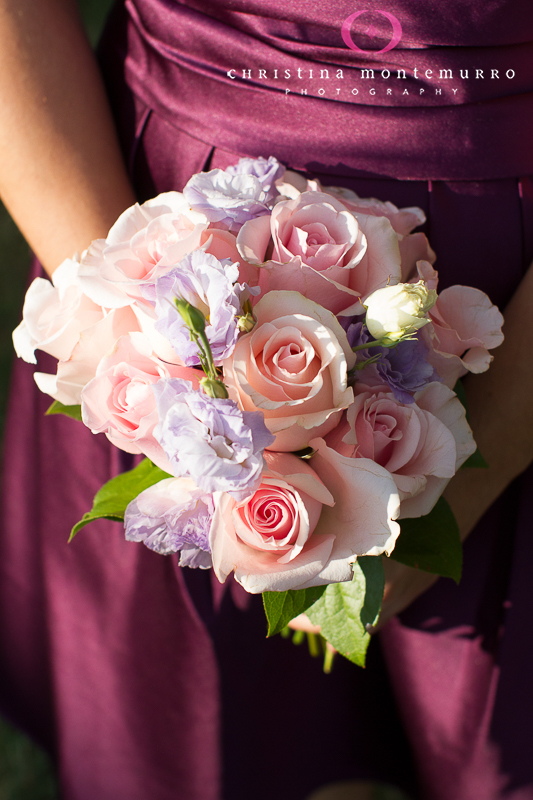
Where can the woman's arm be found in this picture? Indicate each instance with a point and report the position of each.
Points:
(61, 173)
(500, 405)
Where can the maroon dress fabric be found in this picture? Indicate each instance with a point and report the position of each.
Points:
(147, 681)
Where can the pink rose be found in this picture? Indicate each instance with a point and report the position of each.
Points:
(413, 246)
(421, 444)
(292, 367)
(464, 326)
(144, 243)
(119, 400)
(54, 315)
(293, 532)
(314, 245)
(94, 343)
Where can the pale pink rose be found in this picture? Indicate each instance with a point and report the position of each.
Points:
(292, 184)
(293, 532)
(413, 246)
(94, 343)
(144, 243)
(464, 326)
(421, 444)
(314, 245)
(292, 367)
(54, 314)
(119, 400)
(427, 274)
(223, 244)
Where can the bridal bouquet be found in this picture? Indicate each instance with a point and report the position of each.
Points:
(278, 352)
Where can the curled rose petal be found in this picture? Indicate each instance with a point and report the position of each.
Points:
(465, 325)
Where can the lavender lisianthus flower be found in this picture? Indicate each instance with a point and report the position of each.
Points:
(228, 201)
(267, 170)
(210, 286)
(406, 369)
(173, 516)
(209, 439)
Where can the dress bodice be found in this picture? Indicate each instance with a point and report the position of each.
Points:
(421, 90)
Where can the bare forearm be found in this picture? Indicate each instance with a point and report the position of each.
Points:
(61, 172)
(501, 415)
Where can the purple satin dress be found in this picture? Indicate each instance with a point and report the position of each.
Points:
(147, 682)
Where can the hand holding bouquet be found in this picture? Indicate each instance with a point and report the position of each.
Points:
(279, 353)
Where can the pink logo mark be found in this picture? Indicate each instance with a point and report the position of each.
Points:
(349, 42)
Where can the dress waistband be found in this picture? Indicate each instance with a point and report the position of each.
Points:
(411, 113)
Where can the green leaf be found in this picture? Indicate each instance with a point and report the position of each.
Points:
(69, 411)
(431, 543)
(345, 609)
(476, 459)
(459, 390)
(113, 498)
(281, 607)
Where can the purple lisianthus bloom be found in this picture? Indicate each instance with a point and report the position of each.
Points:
(209, 439)
(228, 201)
(406, 369)
(209, 285)
(267, 170)
(173, 516)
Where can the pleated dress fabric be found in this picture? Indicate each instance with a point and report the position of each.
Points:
(148, 681)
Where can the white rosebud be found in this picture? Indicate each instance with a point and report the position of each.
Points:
(397, 311)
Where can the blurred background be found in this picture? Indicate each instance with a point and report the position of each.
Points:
(25, 771)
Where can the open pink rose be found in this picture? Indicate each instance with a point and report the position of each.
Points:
(292, 367)
(119, 400)
(314, 245)
(94, 343)
(144, 243)
(413, 246)
(54, 315)
(464, 326)
(293, 532)
(421, 444)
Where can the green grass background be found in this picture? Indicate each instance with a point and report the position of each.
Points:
(25, 771)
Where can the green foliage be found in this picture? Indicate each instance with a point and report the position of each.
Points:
(431, 543)
(281, 607)
(25, 771)
(346, 609)
(476, 459)
(68, 411)
(115, 495)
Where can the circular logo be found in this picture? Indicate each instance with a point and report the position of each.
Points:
(349, 42)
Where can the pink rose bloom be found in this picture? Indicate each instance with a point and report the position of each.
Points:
(54, 315)
(144, 243)
(413, 246)
(94, 343)
(292, 367)
(464, 326)
(314, 245)
(119, 400)
(421, 444)
(295, 532)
